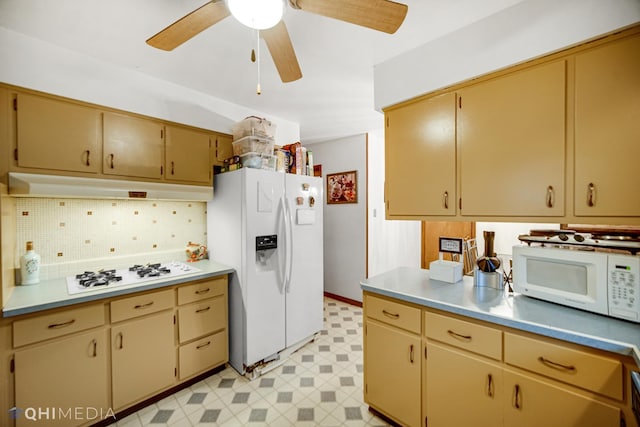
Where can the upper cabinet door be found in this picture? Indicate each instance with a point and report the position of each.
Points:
(511, 140)
(187, 155)
(224, 148)
(132, 146)
(420, 151)
(607, 130)
(56, 135)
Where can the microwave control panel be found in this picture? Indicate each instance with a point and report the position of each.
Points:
(624, 286)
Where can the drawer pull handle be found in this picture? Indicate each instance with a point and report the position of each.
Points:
(94, 343)
(202, 291)
(202, 310)
(591, 195)
(149, 304)
(411, 353)
(459, 336)
(62, 325)
(391, 315)
(87, 158)
(208, 343)
(516, 397)
(490, 385)
(556, 365)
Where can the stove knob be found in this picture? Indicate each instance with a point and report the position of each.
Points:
(579, 237)
(563, 237)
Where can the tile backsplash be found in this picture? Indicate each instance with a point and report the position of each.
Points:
(73, 235)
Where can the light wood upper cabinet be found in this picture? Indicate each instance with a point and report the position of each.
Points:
(420, 151)
(56, 135)
(511, 142)
(224, 149)
(132, 146)
(607, 130)
(187, 155)
(78, 365)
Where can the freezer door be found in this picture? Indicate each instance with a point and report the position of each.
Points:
(304, 290)
(264, 294)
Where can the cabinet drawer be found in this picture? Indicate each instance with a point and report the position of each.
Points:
(201, 318)
(393, 313)
(140, 305)
(466, 335)
(590, 371)
(202, 290)
(53, 325)
(202, 354)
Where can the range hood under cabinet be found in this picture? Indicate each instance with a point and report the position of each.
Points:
(40, 185)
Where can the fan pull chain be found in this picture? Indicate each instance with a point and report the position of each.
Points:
(258, 89)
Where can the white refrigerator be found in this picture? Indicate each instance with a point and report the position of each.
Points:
(268, 226)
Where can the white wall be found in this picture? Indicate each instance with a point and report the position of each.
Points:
(391, 243)
(528, 29)
(344, 224)
(34, 64)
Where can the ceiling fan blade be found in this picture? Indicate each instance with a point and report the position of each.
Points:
(190, 25)
(381, 15)
(281, 49)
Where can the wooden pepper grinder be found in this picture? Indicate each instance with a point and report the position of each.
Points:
(489, 262)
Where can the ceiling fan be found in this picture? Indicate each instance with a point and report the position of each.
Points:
(380, 15)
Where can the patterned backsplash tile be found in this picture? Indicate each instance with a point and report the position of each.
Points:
(73, 235)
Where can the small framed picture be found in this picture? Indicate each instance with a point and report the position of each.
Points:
(342, 187)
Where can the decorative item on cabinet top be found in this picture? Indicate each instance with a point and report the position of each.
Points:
(40, 185)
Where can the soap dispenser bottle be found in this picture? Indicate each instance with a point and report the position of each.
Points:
(30, 266)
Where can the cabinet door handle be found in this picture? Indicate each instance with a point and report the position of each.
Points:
(121, 340)
(202, 291)
(62, 325)
(516, 397)
(490, 385)
(208, 343)
(94, 343)
(87, 161)
(172, 168)
(391, 315)
(446, 199)
(556, 365)
(111, 165)
(459, 336)
(411, 353)
(591, 195)
(149, 304)
(550, 194)
(202, 310)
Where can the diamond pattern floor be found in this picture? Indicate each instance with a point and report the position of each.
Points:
(320, 385)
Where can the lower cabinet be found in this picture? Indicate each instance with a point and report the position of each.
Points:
(62, 382)
(143, 358)
(462, 389)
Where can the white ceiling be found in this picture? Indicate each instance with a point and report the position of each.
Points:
(333, 99)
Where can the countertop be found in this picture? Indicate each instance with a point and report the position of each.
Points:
(511, 310)
(53, 293)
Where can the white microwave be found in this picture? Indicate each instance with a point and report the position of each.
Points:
(600, 282)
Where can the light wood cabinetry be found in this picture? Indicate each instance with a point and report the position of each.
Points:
(607, 130)
(223, 149)
(143, 358)
(420, 156)
(132, 146)
(476, 373)
(56, 135)
(66, 347)
(511, 139)
(392, 361)
(187, 154)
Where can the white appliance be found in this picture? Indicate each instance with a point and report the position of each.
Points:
(601, 282)
(268, 226)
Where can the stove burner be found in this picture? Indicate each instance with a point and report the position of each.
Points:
(90, 279)
(149, 270)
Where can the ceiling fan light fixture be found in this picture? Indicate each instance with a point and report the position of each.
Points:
(257, 14)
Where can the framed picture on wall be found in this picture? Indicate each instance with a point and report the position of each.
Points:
(342, 187)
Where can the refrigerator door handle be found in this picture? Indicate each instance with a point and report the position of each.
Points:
(285, 246)
(289, 238)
